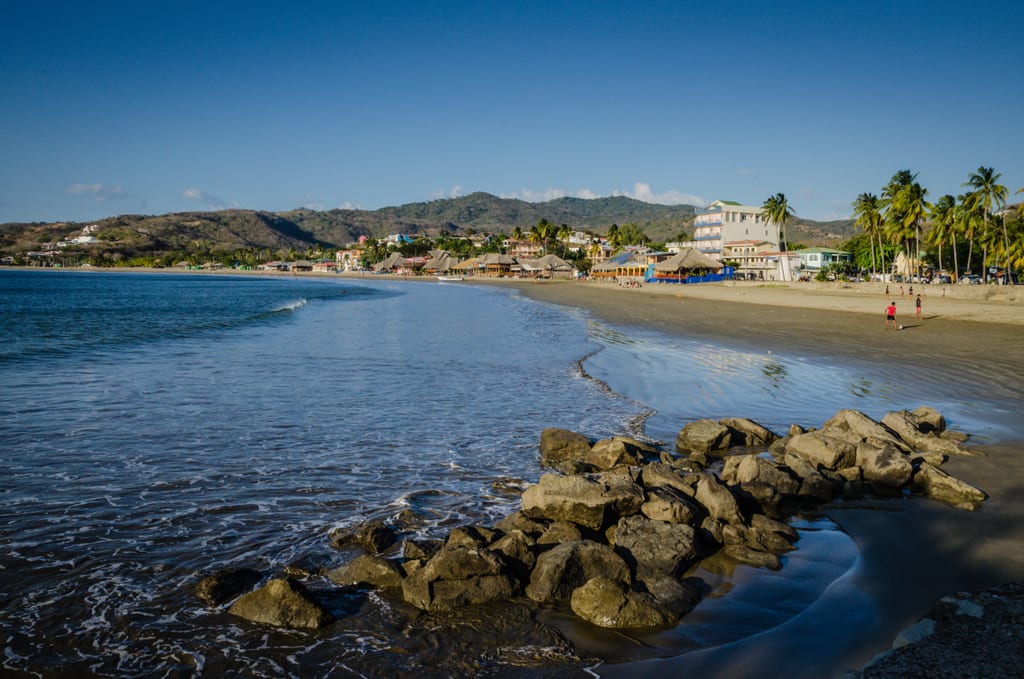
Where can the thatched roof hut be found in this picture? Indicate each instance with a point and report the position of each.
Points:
(687, 260)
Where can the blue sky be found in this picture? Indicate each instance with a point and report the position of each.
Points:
(149, 107)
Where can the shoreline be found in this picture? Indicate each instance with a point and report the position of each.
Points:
(912, 552)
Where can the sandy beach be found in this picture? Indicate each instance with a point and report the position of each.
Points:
(912, 553)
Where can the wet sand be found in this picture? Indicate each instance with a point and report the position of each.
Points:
(912, 552)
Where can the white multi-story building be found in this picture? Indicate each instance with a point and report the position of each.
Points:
(724, 221)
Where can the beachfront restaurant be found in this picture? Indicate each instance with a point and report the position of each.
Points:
(687, 266)
(629, 265)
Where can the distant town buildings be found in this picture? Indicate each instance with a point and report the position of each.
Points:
(726, 221)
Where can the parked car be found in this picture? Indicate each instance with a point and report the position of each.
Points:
(970, 280)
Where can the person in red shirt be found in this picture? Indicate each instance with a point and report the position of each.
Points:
(890, 316)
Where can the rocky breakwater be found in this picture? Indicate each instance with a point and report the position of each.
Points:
(615, 528)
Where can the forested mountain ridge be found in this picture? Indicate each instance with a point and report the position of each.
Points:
(302, 229)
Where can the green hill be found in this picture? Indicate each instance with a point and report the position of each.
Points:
(205, 233)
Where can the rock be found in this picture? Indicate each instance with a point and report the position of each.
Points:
(661, 475)
(589, 502)
(746, 432)
(906, 425)
(519, 521)
(421, 549)
(282, 602)
(367, 569)
(754, 468)
(673, 595)
(822, 450)
(560, 445)
(640, 448)
(374, 537)
(746, 554)
(656, 547)
(224, 585)
(813, 484)
(755, 496)
(774, 536)
(559, 532)
(929, 420)
(703, 436)
(712, 532)
(976, 634)
(476, 537)
(611, 604)
(670, 505)
(517, 549)
(562, 569)
(885, 465)
(940, 486)
(718, 499)
(610, 453)
(855, 427)
(459, 576)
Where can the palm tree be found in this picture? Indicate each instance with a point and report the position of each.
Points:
(905, 207)
(943, 225)
(988, 196)
(867, 210)
(541, 233)
(777, 211)
(563, 234)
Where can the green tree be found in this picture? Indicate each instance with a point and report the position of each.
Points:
(988, 196)
(542, 233)
(943, 216)
(867, 210)
(778, 212)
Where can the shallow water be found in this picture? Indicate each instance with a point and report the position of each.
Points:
(157, 428)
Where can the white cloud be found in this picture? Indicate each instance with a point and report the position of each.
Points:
(641, 191)
(349, 205)
(453, 192)
(203, 197)
(97, 191)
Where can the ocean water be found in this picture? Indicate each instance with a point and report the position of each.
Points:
(158, 427)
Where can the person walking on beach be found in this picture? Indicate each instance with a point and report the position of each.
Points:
(917, 307)
(890, 316)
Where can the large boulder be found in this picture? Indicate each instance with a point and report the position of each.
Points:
(587, 501)
(517, 549)
(282, 602)
(745, 432)
(703, 436)
(884, 465)
(813, 484)
(562, 445)
(562, 569)
(656, 547)
(758, 469)
(224, 585)
(770, 534)
(611, 453)
(854, 426)
(822, 450)
(609, 603)
(373, 536)
(907, 426)
(460, 576)
(940, 486)
(718, 499)
(367, 569)
(672, 506)
(662, 475)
